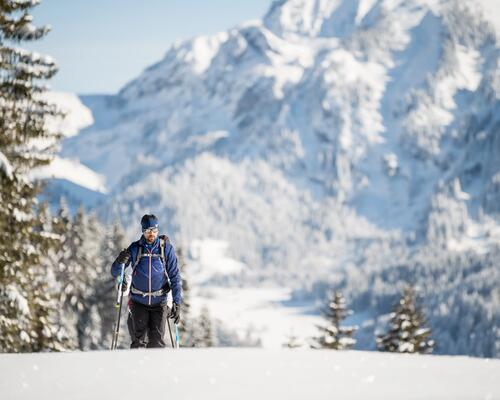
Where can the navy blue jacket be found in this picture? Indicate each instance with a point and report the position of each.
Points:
(150, 274)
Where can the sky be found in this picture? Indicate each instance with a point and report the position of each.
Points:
(100, 45)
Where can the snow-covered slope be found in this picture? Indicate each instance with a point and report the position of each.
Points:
(68, 177)
(246, 374)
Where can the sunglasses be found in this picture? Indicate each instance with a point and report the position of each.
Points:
(150, 230)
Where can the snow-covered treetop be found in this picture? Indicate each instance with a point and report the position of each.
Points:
(5, 166)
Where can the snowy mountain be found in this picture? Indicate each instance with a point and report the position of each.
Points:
(329, 138)
(379, 107)
(68, 177)
(246, 374)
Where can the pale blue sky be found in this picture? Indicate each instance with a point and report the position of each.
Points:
(102, 44)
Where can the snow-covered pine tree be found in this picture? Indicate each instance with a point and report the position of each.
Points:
(334, 336)
(407, 333)
(203, 333)
(57, 259)
(77, 276)
(25, 143)
(89, 324)
(186, 328)
(105, 289)
(47, 314)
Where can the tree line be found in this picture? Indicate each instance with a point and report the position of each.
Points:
(407, 331)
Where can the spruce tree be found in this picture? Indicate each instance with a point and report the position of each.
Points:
(334, 336)
(186, 328)
(56, 260)
(50, 333)
(203, 332)
(81, 276)
(78, 264)
(25, 143)
(407, 333)
(105, 294)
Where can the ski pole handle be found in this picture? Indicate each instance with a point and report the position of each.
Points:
(177, 340)
(120, 286)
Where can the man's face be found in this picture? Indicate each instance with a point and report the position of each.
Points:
(150, 234)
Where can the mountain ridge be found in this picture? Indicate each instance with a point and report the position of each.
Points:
(339, 116)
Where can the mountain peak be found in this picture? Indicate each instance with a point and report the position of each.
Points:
(325, 18)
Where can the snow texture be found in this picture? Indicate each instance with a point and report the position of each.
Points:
(246, 374)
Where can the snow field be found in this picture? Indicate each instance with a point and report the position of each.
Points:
(246, 374)
(260, 313)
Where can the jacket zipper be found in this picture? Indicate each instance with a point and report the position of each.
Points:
(150, 278)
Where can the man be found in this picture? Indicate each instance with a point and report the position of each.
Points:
(150, 272)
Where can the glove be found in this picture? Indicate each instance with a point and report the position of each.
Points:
(124, 285)
(123, 257)
(175, 313)
(166, 287)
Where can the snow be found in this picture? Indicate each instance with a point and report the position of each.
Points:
(264, 314)
(204, 49)
(76, 118)
(73, 171)
(492, 12)
(246, 374)
(209, 257)
(18, 299)
(5, 166)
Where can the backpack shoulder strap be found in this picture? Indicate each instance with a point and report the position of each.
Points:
(138, 255)
(164, 240)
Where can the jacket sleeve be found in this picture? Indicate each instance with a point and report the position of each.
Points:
(116, 268)
(174, 274)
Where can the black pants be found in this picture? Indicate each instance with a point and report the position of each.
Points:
(147, 321)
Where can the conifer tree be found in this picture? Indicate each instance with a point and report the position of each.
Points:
(407, 333)
(78, 264)
(186, 328)
(56, 260)
(89, 258)
(203, 335)
(49, 331)
(23, 112)
(334, 336)
(81, 276)
(105, 293)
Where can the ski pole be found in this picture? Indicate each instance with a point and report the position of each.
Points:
(170, 332)
(118, 305)
(177, 340)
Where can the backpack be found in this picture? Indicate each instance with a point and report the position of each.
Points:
(164, 240)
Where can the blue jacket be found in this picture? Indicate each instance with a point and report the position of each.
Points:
(150, 275)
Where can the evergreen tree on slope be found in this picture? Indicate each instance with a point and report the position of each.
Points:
(186, 328)
(77, 275)
(334, 336)
(203, 332)
(407, 333)
(25, 143)
(105, 293)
